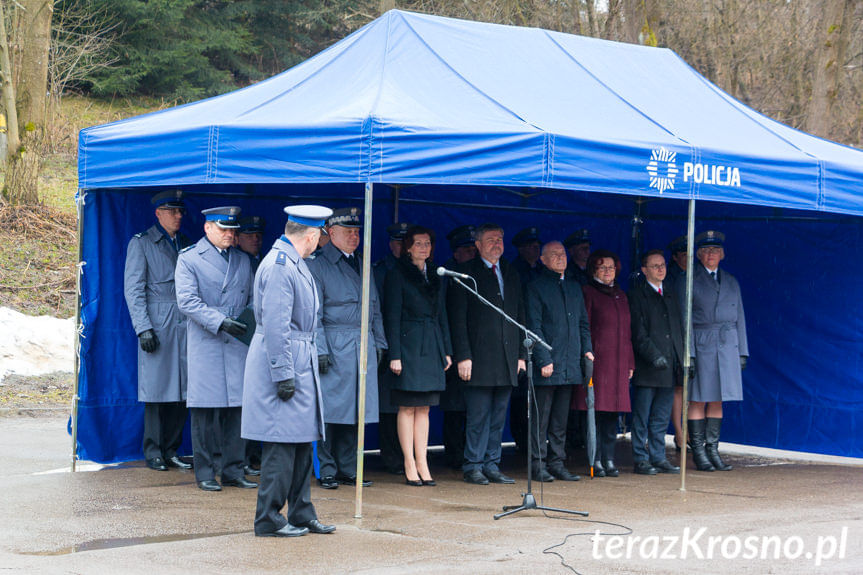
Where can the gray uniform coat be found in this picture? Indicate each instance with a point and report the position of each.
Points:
(148, 284)
(719, 332)
(209, 289)
(338, 336)
(283, 347)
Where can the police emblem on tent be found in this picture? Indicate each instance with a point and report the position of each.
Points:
(662, 169)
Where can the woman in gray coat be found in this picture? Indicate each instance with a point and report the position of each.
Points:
(420, 350)
(721, 350)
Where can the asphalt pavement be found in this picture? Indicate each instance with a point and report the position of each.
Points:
(770, 514)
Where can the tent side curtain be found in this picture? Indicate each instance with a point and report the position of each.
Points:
(804, 316)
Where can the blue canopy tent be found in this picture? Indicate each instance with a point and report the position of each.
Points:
(442, 121)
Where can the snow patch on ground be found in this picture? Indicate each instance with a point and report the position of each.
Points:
(35, 345)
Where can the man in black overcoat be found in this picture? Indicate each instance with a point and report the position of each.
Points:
(657, 340)
(556, 313)
(488, 353)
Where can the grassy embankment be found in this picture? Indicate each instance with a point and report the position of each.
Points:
(37, 262)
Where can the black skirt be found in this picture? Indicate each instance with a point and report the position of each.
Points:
(414, 398)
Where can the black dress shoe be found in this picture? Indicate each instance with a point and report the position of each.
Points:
(328, 482)
(543, 475)
(157, 463)
(644, 468)
(251, 471)
(315, 526)
(498, 477)
(563, 474)
(286, 531)
(665, 467)
(178, 463)
(412, 483)
(240, 482)
(428, 482)
(352, 480)
(209, 485)
(610, 469)
(476, 477)
(598, 469)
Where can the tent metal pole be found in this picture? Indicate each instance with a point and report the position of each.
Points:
(687, 343)
(396, 198)
(79, 206)
(364, 346)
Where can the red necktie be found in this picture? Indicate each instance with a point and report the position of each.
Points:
(660, 291)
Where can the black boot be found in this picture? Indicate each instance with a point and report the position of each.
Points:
(714, 424)
(696, 438)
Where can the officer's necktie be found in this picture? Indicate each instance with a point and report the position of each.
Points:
(352, 260)
(714, 276)
(224, 254)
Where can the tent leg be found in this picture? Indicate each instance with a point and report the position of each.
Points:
(364, 347)
(687, 343)
(79, 206)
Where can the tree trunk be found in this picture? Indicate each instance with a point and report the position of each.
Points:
(35, 35)
(832, 36)
(31, 100)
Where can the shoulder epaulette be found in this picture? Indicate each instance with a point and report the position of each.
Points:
(139, 235)
(187, 248)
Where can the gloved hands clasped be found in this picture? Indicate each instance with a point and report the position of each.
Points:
(233, 327)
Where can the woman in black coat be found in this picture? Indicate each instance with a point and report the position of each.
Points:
(418, 335)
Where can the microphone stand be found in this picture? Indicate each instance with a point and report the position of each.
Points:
(530, 339)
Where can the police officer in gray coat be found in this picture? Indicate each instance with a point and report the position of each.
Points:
(214, 285)
(148, 284)
(721, 349)
(282, 404)
(336, 270)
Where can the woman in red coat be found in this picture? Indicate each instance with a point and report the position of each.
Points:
(608, 315)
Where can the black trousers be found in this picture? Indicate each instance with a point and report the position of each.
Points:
(286, 474)
(388, 438)
(217, 430)
(163, 428)
(454, 438)
(551, 415)
(253, 453)
(338, 453)
(518, 413)
(606, 435)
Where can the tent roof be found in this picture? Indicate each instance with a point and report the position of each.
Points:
(411, 98)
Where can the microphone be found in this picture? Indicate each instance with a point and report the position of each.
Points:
(442, 271)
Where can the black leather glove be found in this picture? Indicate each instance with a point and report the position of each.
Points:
(743, 361)
(691, 372)
(233, 327)
(323, 363)
(148, 340)
(286, 389)
(660, 362)
(380, 354)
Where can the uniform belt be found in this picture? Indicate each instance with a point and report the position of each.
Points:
(172, 300)
(296, 335)
(715, 326)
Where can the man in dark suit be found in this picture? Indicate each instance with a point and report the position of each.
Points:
(657, 340)
(488, 353)
(556, 313)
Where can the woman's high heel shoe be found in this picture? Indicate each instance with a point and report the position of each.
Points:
(417, 483)
(428, 482)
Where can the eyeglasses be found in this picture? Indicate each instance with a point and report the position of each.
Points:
(173, 211)
(711, 249)
(606, 269)
(556, 255)
(656, 267)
